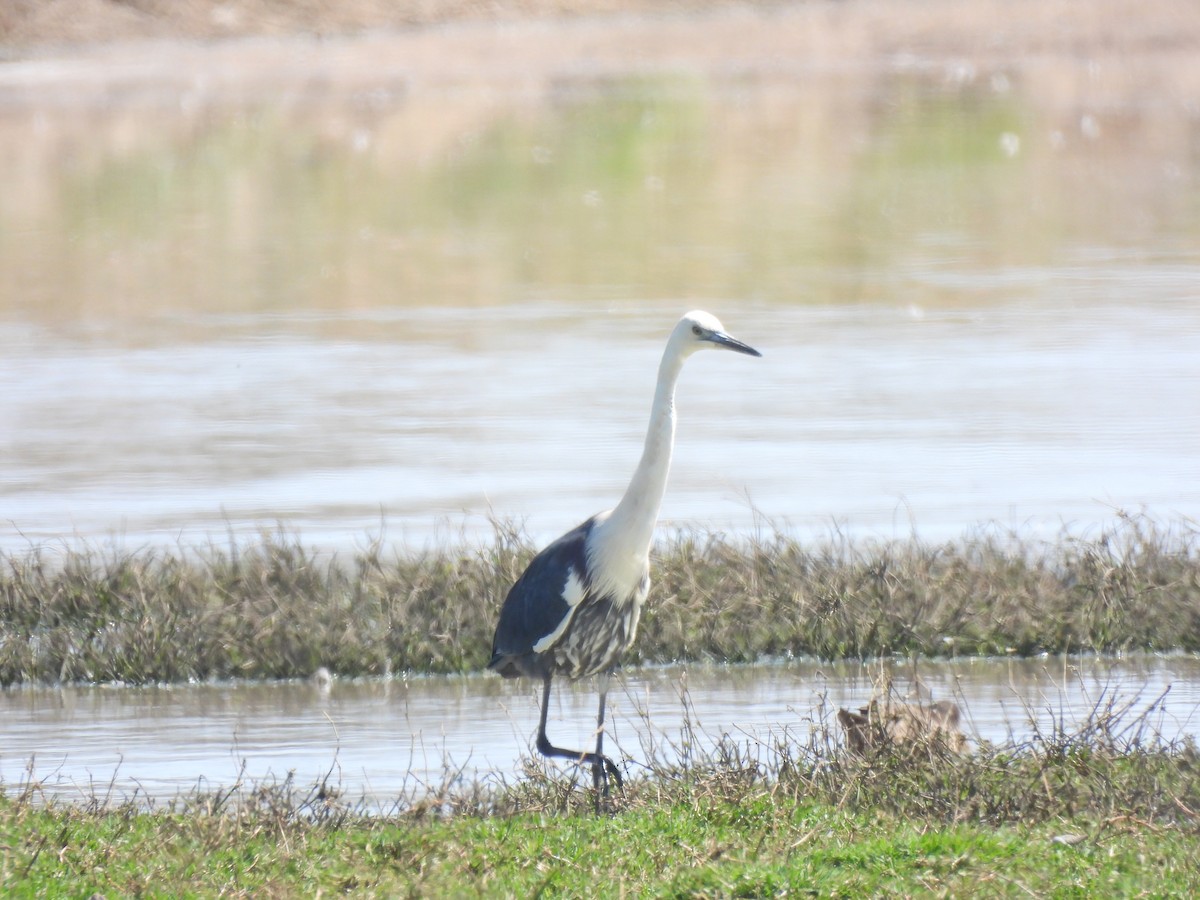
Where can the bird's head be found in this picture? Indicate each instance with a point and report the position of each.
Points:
(698, 330)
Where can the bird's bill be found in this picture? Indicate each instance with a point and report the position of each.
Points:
(721, 339)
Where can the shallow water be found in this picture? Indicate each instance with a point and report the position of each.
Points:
(361, 304)
(379, 740)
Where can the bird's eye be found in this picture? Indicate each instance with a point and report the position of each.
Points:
(697, 330)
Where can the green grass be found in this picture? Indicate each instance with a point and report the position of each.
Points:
(277, 609)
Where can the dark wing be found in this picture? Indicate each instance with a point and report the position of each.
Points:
(535, 606)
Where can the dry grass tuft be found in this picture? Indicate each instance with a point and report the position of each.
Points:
(1135, 586)
(279, 610)
(1111, 766)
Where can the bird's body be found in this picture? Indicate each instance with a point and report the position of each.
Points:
(575, 609)
(560, 621)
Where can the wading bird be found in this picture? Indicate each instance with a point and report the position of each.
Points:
(575, 610)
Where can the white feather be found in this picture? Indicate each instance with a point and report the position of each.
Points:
(573, 594)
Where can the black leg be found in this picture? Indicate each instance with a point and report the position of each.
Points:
(602, 766)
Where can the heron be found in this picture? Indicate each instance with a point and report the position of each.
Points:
(575, 609)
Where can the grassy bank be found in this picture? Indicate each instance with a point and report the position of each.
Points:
(1069, 814)
(278, 610)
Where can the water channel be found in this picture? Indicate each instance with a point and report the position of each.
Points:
(381, 741)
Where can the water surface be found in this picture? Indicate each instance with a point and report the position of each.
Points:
(380, 740)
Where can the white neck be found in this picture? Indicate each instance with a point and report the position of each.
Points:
(631, 523)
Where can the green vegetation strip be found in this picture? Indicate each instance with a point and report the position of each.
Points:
(1066, 818)
(278, 610)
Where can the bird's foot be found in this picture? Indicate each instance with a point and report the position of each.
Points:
(603, 769)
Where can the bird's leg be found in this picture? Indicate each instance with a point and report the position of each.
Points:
(598, 761)
(599, 775)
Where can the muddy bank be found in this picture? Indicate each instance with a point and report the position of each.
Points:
(700, 31)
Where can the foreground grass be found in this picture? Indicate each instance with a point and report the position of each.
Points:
(1063, 820)
(278, 610)
(721, 851)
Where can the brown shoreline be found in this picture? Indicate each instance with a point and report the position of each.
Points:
(989, 28)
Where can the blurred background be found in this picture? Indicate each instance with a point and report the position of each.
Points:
(389, 270)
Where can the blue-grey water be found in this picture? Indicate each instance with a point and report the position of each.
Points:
(881, 420)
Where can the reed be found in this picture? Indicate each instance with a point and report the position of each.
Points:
(278, 609)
